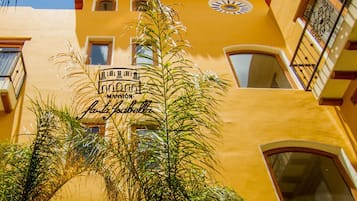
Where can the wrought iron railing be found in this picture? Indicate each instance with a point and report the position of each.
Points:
(323, 20)
(12, 70)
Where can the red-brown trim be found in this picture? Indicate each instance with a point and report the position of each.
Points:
(351, 45)
(268, 2)
(13, 41)
(6, 102)
(331, 101)
(344, 75)
(78, 4)
(354, 97)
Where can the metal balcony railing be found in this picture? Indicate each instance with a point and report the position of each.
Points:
(323, 20)
(12, 70)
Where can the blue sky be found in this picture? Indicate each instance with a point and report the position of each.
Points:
(47, 4)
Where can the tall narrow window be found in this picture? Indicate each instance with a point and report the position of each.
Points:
(99, 52)
(258, 70)
(304, 174)
(10, 51)
(142, 54)
(95, 128)
(144, 138)
(12, 72)
(105, 5)
(138, 5)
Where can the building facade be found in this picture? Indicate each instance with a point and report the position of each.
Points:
(289, 118)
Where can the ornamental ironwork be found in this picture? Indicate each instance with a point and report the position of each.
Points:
(235, 7)
(322, 20)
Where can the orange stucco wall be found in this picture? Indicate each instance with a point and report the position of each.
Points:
(349, 109)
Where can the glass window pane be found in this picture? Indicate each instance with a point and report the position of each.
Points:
(139, 5)
(146, 146)
(306, 176)
(106, 5)
(8, 55)
(9, 49)
(99, 54)
(94, 129)
(258, 71)
(144, 55)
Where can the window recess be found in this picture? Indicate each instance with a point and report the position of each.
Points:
(307, 174)
(144, 137)
(258, 70)
(105, 5)
(12, 73)
(94, 128)
(99, 52)
(138, 5)
(142, 54)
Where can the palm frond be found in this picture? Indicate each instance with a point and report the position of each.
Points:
(185, 107)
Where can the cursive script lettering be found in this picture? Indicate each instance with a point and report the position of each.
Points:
(109, 109)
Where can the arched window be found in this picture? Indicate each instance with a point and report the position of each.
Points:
(304, 174)
(258, 66)
(105, 5)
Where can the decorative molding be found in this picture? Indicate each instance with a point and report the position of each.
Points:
(351, 45)
(331, 101)
(231, 6)
(344, 75)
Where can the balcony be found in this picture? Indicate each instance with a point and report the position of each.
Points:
(12, 76)
(321, 59)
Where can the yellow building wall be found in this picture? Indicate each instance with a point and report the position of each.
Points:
(9, 122)
(284, 13)
(50, 33)
(252, 117)
(349, 111)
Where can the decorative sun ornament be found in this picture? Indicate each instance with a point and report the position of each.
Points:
(231, 6)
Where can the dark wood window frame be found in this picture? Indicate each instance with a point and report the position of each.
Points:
(135, 141)
(143, 125)
(99, 2)
(109, 43)
(277, 57)
(334, 158)
(12, 43)
(101, 127)
(138, 5)
(134, 44)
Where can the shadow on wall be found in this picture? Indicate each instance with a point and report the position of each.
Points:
(9, 127)
(208, 31)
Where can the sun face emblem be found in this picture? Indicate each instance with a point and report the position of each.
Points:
(231, 6)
